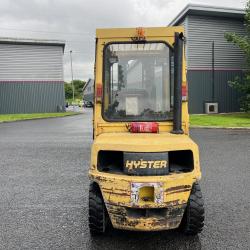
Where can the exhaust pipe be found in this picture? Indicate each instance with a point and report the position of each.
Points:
(178, 57)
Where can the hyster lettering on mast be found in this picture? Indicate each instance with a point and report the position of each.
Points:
(144, 167)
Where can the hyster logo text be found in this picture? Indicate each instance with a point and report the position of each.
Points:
(145, 164)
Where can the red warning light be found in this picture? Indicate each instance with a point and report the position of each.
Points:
(143, 127)
(98, 92)
(184, 92)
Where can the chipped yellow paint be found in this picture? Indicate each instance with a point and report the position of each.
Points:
(116, 188)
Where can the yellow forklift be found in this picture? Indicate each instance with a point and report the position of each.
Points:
(144, 167)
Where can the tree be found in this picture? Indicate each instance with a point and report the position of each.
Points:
(68, 90)
(243, 42)
(78, 86)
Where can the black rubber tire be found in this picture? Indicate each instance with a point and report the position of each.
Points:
(97, 211)
(193, 220)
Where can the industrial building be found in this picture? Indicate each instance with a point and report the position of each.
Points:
(212, 61)
(88, 91)
(31, 76)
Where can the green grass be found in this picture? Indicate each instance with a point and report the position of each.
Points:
(18, 117)
(76, 101)
(221, 120)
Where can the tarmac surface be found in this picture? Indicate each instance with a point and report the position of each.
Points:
(44, 189)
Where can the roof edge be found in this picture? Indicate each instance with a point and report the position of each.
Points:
(87, 83)
(206, 8)
(31, 41)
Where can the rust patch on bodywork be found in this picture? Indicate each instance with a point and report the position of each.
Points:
(166, 224)
(176, 211)
(179, 191)
(172, 203)
(174, 189)
(115, 193)
(160, 221)
(143, 215)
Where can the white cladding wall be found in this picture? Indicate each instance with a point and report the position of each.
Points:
(201, 31)
(31, 62)
(89, 88)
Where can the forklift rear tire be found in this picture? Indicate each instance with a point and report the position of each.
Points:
(97, 211)
(193, 220)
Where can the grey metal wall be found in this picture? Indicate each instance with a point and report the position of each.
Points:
(31, 62)
(31, 97)
(88, 91)
(229, 61)
(201, 31)
(31, 78)
(183, 22)
(200, 90)
(89, 97)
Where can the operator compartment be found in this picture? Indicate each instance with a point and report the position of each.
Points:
(137, 79)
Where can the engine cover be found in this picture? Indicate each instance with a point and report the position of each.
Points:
(145, 164)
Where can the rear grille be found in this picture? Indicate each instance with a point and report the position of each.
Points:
(145, 164)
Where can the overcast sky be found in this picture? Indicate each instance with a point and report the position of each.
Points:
(76, 20)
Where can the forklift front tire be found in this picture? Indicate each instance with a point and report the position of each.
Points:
(193, 220)
(97, 211)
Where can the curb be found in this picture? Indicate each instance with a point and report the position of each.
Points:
(218, 127)
(39, 118)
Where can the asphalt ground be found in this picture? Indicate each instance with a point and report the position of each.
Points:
(44, 189)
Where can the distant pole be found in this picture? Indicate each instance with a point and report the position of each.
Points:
(73, 88)
(213, 76)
